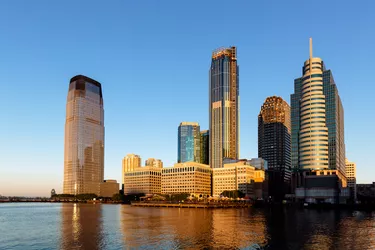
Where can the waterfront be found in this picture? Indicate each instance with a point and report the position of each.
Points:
(96, 226)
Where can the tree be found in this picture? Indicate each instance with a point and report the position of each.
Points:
(233, 194)
(118, 197)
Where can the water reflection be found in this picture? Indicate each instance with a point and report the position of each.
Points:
(81, 226)
(191, 228)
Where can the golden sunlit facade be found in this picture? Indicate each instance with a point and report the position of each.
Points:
(84, 137)
(351, 172)
(108, 188)
(236, 176)
(129, 163)
(224, 106)
(145, 180)
(152, 162)
(187, 177)
(313, 133)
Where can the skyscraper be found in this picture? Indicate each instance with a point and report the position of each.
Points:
(129, 163)
(224, 106)
(274, 144)
(188, 142)
(84, 137)
(317, 119)
(205, 147)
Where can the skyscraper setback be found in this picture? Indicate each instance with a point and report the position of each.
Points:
(274, 144)
(317, 119)
(188, 142)
(84, 137)
(224, 106)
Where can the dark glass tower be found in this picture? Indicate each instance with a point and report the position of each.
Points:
(84, 137)
(188, 142)
(224, 106)
(205, 147)
(274, 145)
(317, 115)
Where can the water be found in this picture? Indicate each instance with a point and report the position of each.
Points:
(89, 226)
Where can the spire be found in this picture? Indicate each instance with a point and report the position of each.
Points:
(311, 52)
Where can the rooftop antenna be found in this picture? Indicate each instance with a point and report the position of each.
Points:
(311, 48)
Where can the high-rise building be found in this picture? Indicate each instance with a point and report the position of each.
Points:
(224, 106)
(351, 171)
(129, 163)
(317, 118)
(188, 142)
(152, 162)
(84, 137)
(274, 144)
(205, 147)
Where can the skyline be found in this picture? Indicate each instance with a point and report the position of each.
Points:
(130, 111)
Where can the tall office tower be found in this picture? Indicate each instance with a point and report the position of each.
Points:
(188, 142)
(274, 144)
(84, 137)
(152, 162)
(224, 106)
(205, 147)
(129, 163)
(317, 117)
(351, 172)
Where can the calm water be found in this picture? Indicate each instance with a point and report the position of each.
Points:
(86, 226)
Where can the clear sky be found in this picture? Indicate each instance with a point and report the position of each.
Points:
(153, 58)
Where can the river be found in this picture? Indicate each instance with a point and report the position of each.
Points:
(96, 226)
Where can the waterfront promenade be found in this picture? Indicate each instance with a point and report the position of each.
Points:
(192, 205)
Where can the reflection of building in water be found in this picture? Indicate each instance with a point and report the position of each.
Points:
(81, 226)
(164, 228)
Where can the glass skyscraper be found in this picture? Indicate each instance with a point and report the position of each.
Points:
(188, 142)
(84, 137)
(224, 106)
(317, 118)
(205, 147)
(274, 144)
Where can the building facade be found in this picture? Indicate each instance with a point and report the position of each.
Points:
(258, 163)
(108, 188)
(146, 180)
(152, 162)
(129, 163)
(84, 137)
(274, 130)
(189, 177)
(236, 176)
(205, 147)
(224, 106)
(188, 142)
(351, 171)
(317, 118)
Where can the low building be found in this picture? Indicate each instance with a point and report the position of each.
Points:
(108, 188)
(188, 177)
(238, 175)
(350, 170)
(323, 186)
(366, 193)
(145, 180)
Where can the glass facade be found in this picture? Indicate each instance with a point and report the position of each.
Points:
(205, 147)
(84, 137)
(224, 106)
(274, 128)
(188, 142)
(317, 118)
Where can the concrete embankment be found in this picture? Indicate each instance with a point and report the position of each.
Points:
(191, 205)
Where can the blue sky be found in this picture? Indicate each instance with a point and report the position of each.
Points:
(152, 58)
